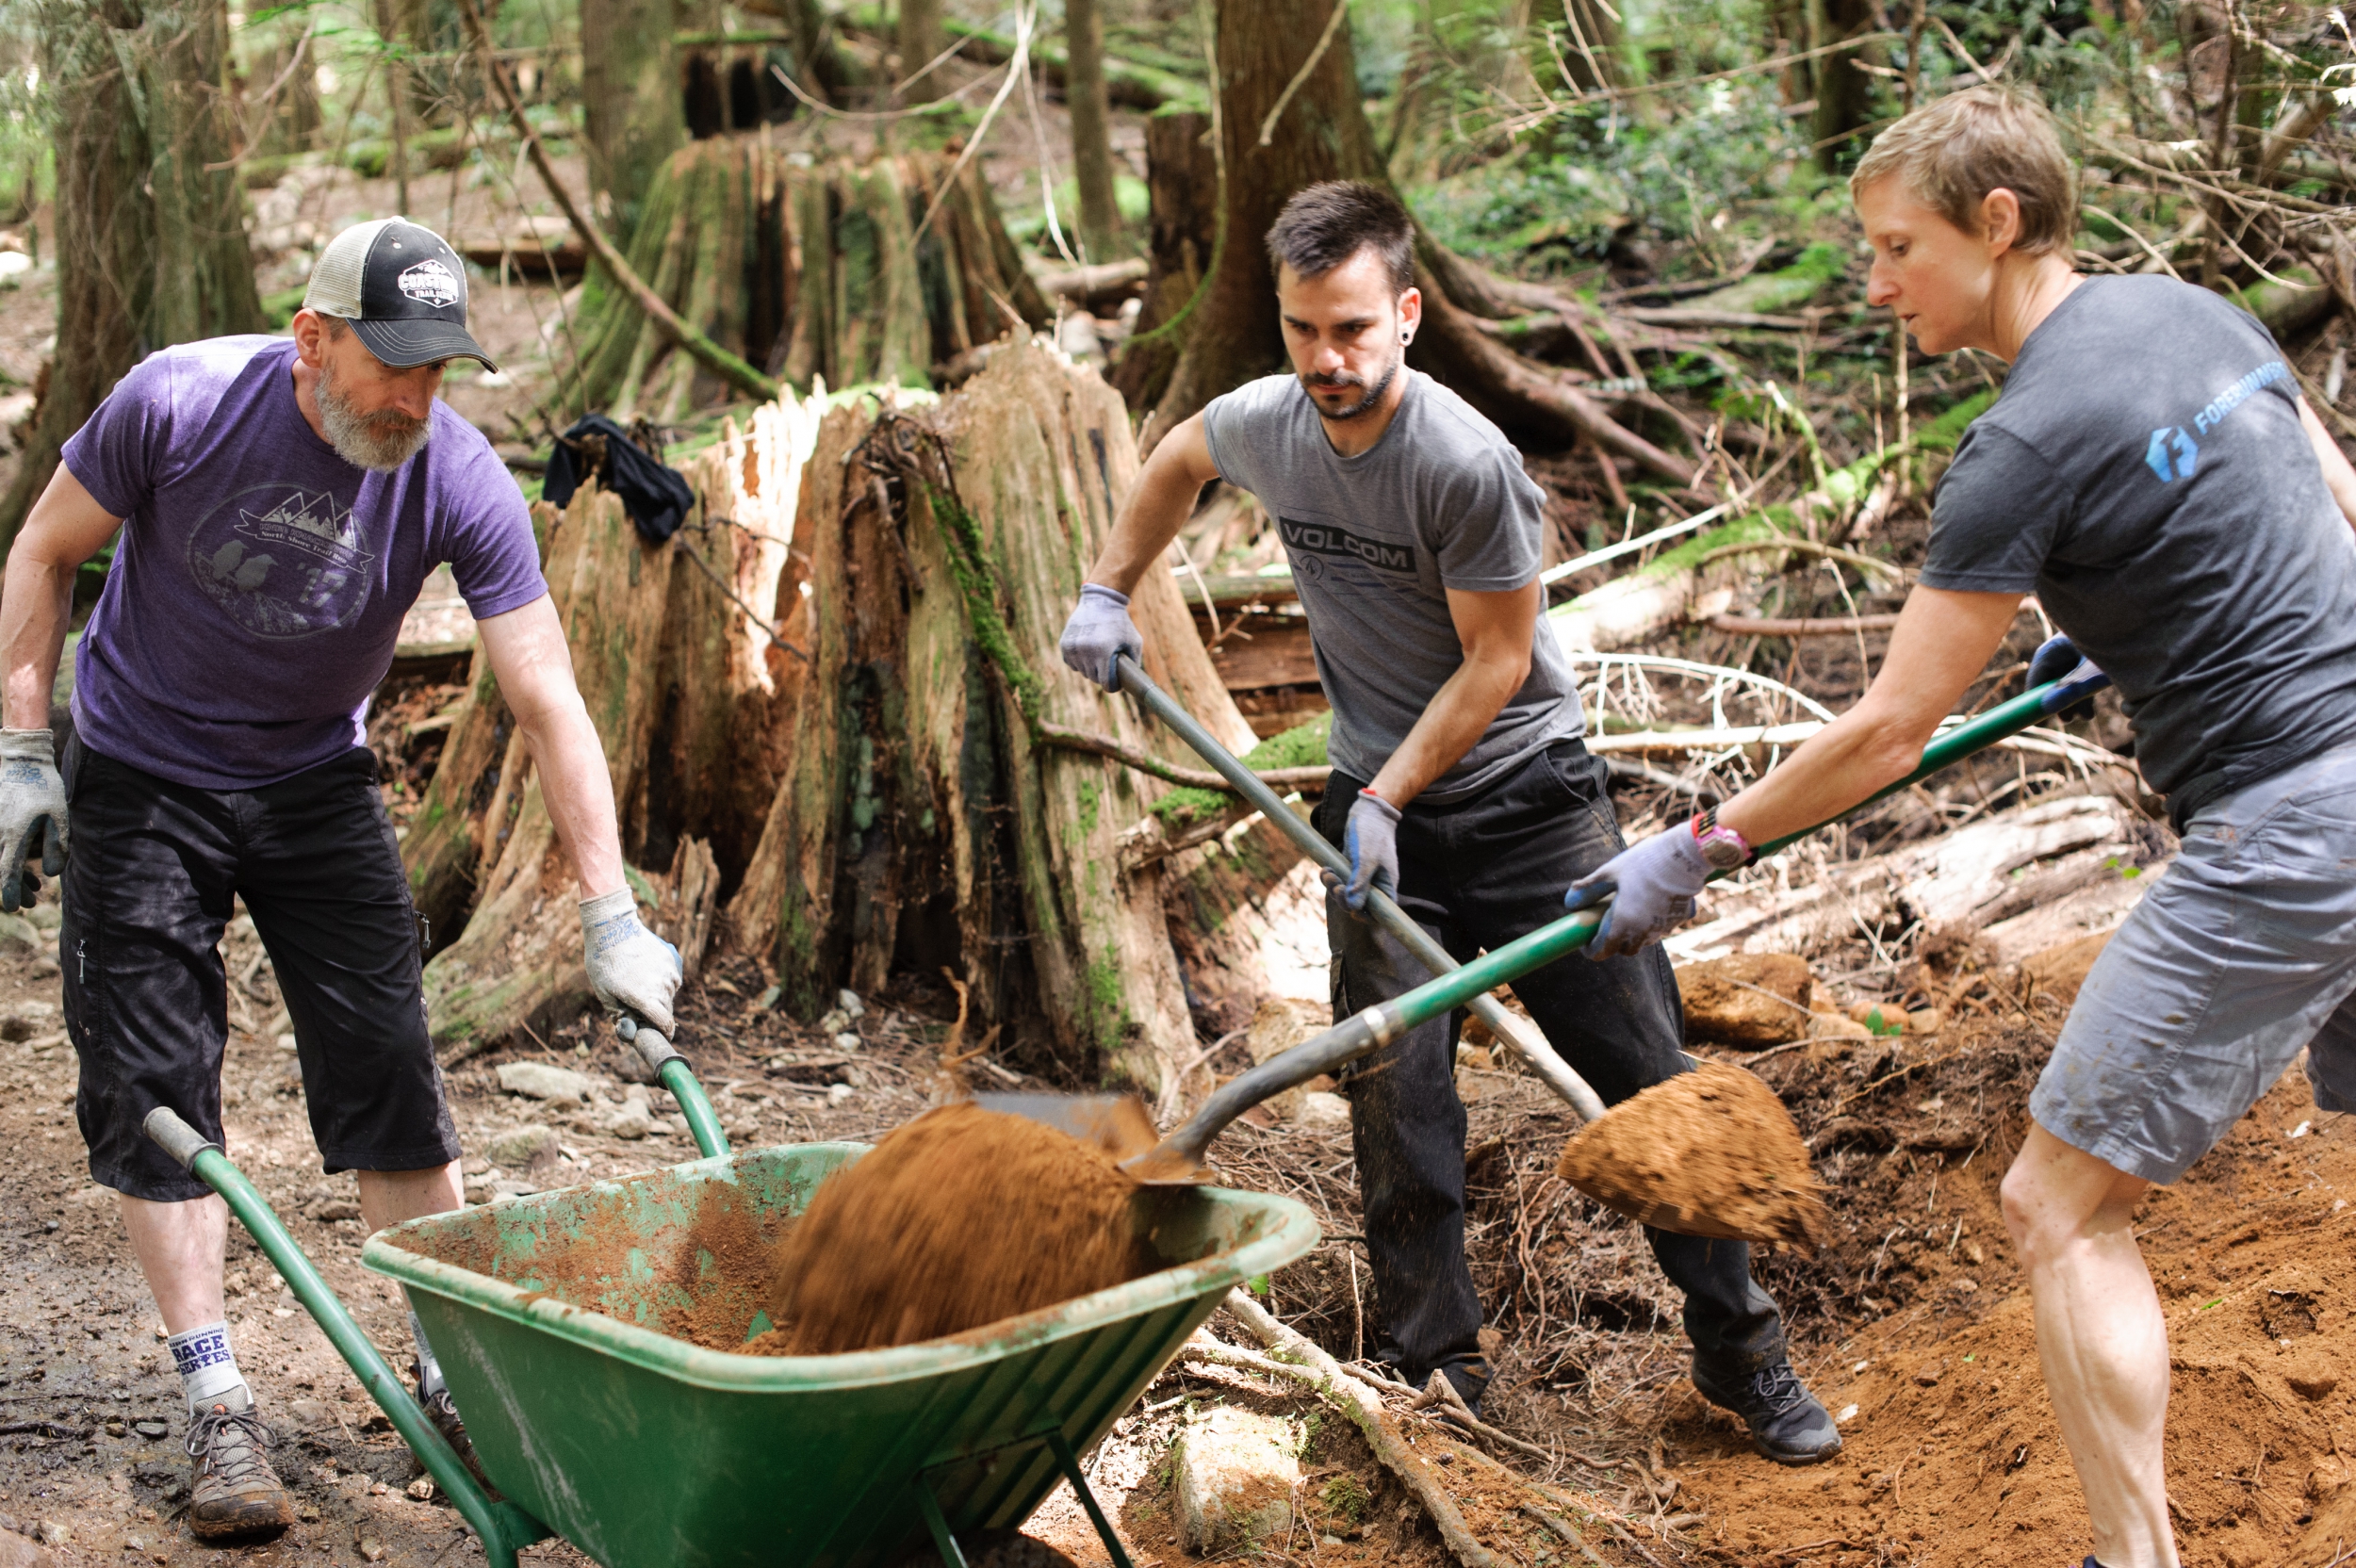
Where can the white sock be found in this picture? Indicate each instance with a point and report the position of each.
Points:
(429, 1370)
(207, 1368)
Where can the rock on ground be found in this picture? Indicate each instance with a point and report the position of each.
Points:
(540, 1081)
(1752, 999)
(1236, 1472)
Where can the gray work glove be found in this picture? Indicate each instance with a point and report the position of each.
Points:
(1371, 840)
(629, 967)
(1099, 629)
(32, 814)
(1652, 889)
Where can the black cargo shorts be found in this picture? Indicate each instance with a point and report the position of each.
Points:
(148, 889)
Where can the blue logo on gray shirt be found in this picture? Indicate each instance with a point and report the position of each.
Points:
(2171, 453)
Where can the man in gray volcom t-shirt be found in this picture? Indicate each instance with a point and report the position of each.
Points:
(1376, 540)
(1460, 782)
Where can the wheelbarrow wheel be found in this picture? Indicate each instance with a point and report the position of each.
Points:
(995, 1549)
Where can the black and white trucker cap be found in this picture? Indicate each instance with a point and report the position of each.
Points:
(401, 287)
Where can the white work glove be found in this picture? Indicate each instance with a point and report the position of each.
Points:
(1099, 629)
(629, 967)
(1652, 887)
(32, 814)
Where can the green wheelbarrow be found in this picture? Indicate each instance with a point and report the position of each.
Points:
(646, 1450)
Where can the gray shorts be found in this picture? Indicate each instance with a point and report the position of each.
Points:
(2244, 952)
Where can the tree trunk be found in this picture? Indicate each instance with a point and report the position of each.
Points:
(693, 696)
(815, 273)
(922, 38)
(150, 222)
(631, 97)
(1091, 129)
(518, 961)
(1182, 175)
(1265, 46)
(926, 820)
(1322, 134)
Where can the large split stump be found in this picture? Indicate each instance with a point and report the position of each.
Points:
(930, 817)
(690, 657)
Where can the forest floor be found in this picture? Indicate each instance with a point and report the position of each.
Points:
(1912, 1323)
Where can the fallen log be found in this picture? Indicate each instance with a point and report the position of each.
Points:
(1769, 625)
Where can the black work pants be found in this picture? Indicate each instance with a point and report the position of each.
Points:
(1478, 874)
(155, 870)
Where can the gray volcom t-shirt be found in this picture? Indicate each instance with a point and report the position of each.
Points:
(2144, 471)
(1375, 540)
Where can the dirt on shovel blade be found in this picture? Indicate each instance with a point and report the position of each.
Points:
(1710, 1152)
(960, 1219)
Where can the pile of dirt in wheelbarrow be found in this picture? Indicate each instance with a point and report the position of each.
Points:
(960, 1218)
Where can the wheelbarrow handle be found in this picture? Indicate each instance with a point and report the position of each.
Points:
(1379, 1025)
(1517, 1032)
(672, 1071)
(502, 1526)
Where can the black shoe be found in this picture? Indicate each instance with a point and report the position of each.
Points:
(1787, 1424)
(442, 1411)
(1470, 1378)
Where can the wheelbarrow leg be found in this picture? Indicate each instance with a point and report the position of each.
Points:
(943, 1542)
(502, 1526)
(1070, 1461)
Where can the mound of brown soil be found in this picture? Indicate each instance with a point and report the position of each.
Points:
(961, 1217)
(1710, 1152)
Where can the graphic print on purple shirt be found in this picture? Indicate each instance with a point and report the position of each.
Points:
(259, 580)
(233, 555)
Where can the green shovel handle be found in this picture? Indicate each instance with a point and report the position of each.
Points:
(1386, 1021)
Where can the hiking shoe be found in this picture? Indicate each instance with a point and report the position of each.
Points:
(1786, 1422)
(442, 1411)
(235, 1493)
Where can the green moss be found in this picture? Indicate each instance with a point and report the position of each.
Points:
(1089, 798)
(969, 564)
(1301, 747)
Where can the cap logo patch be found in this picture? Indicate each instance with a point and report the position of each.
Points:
(431, 281)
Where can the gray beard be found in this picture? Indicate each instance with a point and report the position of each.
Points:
(381, 441)
(1364, 404)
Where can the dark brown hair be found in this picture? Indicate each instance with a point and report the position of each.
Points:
(1326, 223)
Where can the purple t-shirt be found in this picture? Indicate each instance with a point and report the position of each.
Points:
(259, 581)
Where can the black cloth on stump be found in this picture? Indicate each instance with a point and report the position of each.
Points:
(656, 498)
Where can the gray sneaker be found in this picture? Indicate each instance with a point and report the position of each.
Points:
(1786, 1423)
(234, 1490)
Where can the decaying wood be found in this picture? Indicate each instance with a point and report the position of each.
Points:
(518, 959)
(922, 819)
(1961, 881)
(728, 366)
(694, 697)
(814, 271)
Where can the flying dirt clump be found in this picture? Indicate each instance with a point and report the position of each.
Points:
(961, 1217)
(1710, 1152)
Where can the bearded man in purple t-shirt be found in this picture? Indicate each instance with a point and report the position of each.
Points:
(277, 505)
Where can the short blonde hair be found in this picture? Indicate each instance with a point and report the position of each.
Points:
(1951, 154)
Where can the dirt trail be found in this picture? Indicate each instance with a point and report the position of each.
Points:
(1953, 1454)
